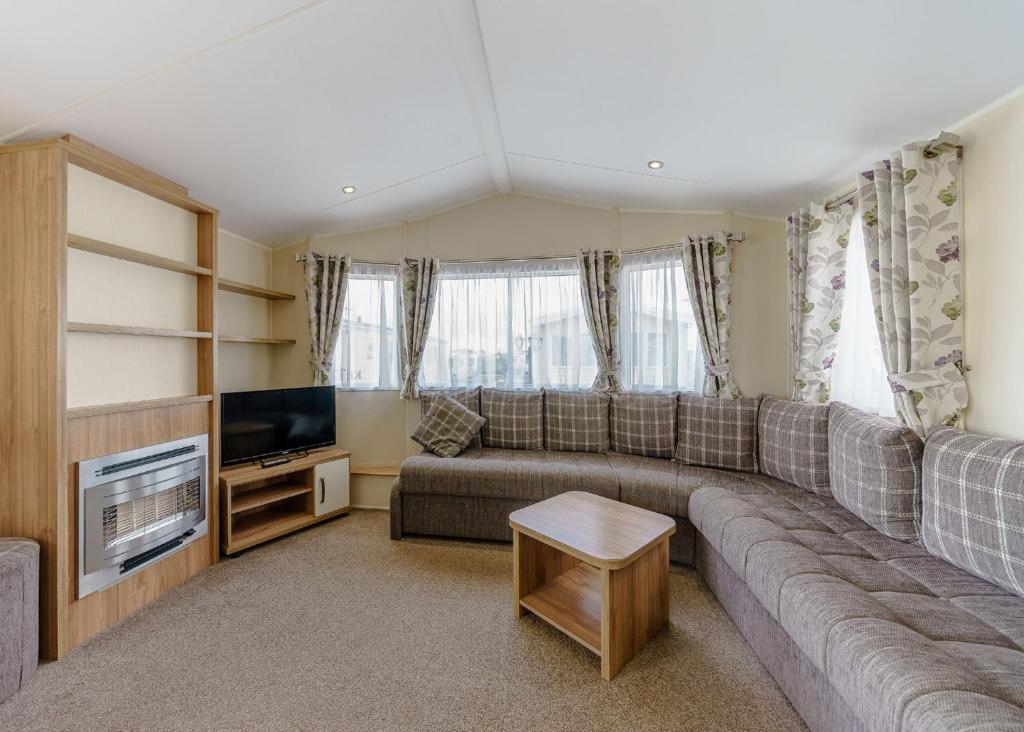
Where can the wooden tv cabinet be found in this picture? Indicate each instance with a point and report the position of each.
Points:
(259, 504)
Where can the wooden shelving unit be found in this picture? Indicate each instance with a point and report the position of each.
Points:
(251, 339)
(85, 244)
(132, 330)
(259, 504)
(45, 437)
(243, 289)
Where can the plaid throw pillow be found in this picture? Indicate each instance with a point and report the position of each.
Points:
(643, 424)
(447, 427)
(972, 505)
(874, 468)
(515, 419)
(469, 397)
(718, 433)
(575, 421)
(792, 442)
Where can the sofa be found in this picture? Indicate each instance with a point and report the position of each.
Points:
(878, 578)
(19, 613)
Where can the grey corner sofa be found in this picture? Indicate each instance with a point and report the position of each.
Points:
(19, 613)
(880, 580)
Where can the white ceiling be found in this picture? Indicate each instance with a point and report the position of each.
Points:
(266, 108)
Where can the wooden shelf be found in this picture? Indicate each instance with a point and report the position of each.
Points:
(243, 289)
(389, 470)
(248, 339)
(98, 409)
(270, 523)
(85, 244)
(572, 603)
(266, 495)
(133, 330)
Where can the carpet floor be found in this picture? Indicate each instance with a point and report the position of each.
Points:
(340, 628)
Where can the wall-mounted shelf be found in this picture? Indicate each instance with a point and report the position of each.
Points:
(116, 251)
(243, 289)
(386, 470)
(247, 339)
(116, 408)
(133, 330)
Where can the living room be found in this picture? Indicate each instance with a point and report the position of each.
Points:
(477, 363)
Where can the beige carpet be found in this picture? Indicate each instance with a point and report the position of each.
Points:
(340, 628)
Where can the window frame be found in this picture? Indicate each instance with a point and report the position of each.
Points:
(367, 271)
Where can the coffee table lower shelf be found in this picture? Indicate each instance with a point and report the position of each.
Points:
(572, 603)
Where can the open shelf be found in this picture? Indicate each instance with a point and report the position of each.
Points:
(98, 409)
(243, 289)
(248, 339)
(133, 330)
(572, 603)
(85, 244)
(268, 523)
(266, 495)
(388, 470)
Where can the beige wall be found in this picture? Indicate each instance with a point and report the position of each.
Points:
(243, 366)
(993, 258)
(376, 425)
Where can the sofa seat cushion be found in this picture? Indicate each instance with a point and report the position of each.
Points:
(899, 632)
(662, 485)
(972, 505)
(511, 474)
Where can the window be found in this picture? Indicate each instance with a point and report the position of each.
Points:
(367, 353)
(509, 324)
(657, 323)
(858, 372)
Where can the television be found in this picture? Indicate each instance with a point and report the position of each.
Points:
(256, 425)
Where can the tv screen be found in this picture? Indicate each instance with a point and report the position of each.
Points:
(262, 424)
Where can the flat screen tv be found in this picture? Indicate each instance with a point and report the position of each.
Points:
(256, 425)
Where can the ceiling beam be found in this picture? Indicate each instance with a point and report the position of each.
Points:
(467, 43)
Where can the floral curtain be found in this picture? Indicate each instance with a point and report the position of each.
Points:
(912, 235)
(599, 286)
(707, 264)
(816, 240)
(326, 284)
(419, 292)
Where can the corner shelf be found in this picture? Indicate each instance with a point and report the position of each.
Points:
(133, 330)
(116, 251)
(243, 289)
(247, 339)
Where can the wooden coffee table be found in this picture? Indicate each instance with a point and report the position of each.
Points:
(594, 568)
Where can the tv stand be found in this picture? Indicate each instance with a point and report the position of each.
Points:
(260, 502)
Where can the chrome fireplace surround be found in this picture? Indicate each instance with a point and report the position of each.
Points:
(136, 507)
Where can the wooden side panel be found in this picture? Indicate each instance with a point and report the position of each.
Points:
(103, 434)
(206, 363)
(634, 607)
(33, 192)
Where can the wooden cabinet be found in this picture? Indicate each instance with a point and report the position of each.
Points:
(330, 486)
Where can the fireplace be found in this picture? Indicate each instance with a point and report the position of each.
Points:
(136, 507)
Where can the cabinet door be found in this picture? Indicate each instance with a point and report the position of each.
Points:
(331, 488)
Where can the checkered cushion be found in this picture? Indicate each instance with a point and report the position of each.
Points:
(469, 397)
(875, 470)
(718, 433)
(515, 419)
(447, 428)
(643, 424)
(793, 443)
(972, 505)
(575, 421)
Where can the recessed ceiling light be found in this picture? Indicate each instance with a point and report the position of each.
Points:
(348, 189)
(655, 164)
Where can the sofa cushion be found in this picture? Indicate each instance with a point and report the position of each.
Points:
(468, 397)
(895, 629)
(875, 470)
(660, 485)
(447, 428)
(515, 419)
(793, 443)
(643, 424)
(509, 474)
(973, 505)
(575, 421)
(717, 433)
